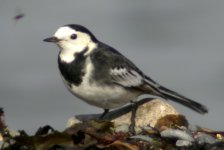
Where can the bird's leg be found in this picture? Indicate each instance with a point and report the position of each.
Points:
(133, 114)
(104, 113)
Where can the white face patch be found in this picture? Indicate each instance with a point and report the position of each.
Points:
(64, 32)
(70, 46)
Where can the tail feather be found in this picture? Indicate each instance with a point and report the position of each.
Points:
(171, 95)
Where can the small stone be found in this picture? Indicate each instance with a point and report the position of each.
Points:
(142, 137)
(203, 138)
(181, 143)
(176, 134)
(219, 136)
(72, 121)
(150, 130)
(193, 128)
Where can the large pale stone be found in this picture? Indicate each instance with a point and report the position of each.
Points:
(147, 114)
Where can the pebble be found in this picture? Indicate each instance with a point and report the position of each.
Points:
(142, 137)
(176, 134)
(181, 143)
(203, 138)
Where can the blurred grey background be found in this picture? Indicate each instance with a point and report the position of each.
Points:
(178, 43)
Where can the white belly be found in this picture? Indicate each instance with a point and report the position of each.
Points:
(103, 97)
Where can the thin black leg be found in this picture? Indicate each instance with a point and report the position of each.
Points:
(104, 113)
(133, 114)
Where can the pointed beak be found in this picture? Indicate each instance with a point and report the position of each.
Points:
(52, 39)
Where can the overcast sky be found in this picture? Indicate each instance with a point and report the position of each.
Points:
(178, 43)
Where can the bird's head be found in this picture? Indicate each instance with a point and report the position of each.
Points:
(73, 37)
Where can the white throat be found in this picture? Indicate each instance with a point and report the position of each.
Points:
(68, 53)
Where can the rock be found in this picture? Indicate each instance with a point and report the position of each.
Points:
(147, 114)
(193, 127)
(176, 134)
(142, 137)
(183, 143)
(203, 138)
(72, 121)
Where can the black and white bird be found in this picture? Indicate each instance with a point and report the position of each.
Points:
(103, 77)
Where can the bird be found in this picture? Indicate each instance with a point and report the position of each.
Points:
(103, 77)
(19, 15)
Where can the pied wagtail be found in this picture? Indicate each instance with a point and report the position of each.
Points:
(102, 76)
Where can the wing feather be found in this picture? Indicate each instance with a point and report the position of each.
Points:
(126, 77)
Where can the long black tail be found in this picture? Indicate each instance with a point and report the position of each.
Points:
(171, 95)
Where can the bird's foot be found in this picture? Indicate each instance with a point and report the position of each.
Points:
(133, 115)
(103, 114)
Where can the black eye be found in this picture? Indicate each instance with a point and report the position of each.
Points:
(73, 36)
